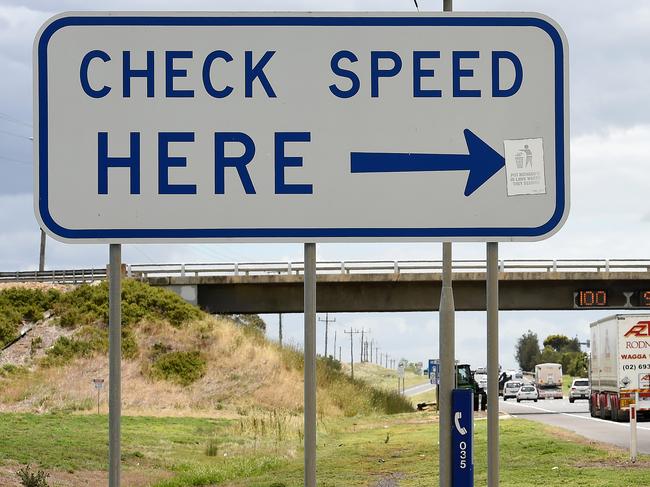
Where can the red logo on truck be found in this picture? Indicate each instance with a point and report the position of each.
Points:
(641, 329)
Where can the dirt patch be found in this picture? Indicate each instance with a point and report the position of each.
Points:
(613, 462)
(43, 334)
(84, 478)
(391, 480)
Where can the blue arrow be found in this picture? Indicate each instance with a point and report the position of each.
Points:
(482, 162)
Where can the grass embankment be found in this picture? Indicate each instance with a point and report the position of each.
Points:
(177, 360)
(383, 378)
(266, 451)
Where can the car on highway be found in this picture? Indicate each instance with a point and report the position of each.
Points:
(580, 389)
(527, 393)
(511, 388)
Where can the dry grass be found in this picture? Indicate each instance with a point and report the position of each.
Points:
(245, 372)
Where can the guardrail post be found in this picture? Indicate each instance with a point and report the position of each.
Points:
(236, 269)
(606, 265)
(633, 435)
(396, 267)
(182, 270)
(342, 267)
(289, 267)
(129, 271)
(554, 265)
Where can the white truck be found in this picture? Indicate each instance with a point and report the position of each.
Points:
(548, 379)
(619, 369)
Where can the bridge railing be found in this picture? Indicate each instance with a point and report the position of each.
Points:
(143, 271)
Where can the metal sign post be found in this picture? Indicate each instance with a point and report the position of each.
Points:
(633, 431)
(446, 350)
(310, 365)
(492, 297)
(99, 385)
(114, 363)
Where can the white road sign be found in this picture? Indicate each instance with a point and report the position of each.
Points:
(301, 127)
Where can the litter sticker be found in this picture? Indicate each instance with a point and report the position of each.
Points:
(525, 166)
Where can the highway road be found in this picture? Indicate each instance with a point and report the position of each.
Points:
(415, 390)
(575, 417)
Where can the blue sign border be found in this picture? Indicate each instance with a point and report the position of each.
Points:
(300, 233)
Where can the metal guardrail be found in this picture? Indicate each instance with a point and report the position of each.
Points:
(144, 271)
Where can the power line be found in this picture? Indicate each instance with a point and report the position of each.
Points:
(16, 135)
(9, 118)
(16, 161)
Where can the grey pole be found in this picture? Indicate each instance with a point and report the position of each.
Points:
(41, 255)
(114, 363)
(493, 362)
(310, 365)
(446, 351)
(280, 328)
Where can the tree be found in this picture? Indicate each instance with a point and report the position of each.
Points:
(562, 343)
(556, 342)
(253, 321)
(551, 356)
(527, 351)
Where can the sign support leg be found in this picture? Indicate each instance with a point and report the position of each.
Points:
(492, 295)
(310, 365)
(446, 352)
(446, 347)
(114, 363)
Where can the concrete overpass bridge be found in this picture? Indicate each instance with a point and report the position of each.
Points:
(370, 286)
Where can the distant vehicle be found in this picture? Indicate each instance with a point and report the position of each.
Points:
(527, 393)
(511, 388)
(579, 390)
(548, 379)
(519, 375)
(465, 379)
(619, 369)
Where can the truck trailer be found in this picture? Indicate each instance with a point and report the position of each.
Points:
(619, 369)
(548, 379)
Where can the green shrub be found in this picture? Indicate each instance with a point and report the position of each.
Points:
(31, 479)
(89, 304)
(8, 370)
(87, 342)
(212, 448)
(182, 368)
(17, 304)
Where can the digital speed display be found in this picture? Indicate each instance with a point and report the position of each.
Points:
(603, 298)
(591, 298)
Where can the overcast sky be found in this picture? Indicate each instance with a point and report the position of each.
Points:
(610, 147)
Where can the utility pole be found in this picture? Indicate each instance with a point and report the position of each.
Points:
(327, 321)
(340, 353)
(280, 328)
(371, 347)
(334, 344)
(361, 354)
(41, 258)
(351, 333)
